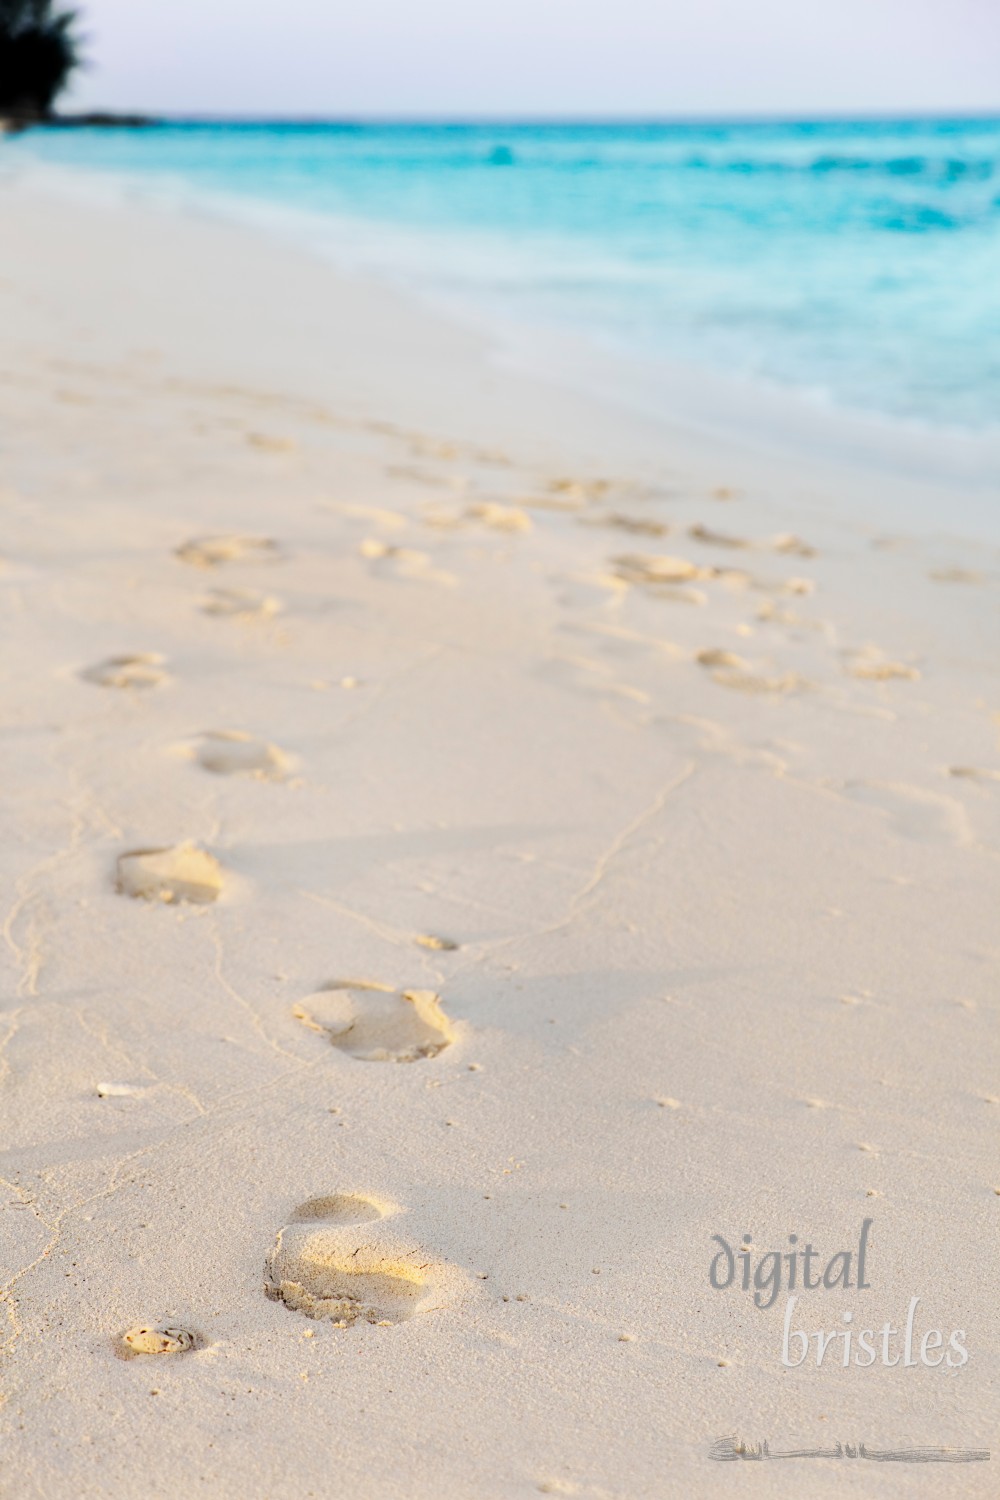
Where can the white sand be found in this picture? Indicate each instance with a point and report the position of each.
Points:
(666, 866)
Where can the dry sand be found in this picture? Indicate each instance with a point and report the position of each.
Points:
(466, 848)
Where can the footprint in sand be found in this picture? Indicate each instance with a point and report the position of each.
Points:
(785, 542)
(731, 671)
(580, 490)
(714, 656)
(212, 551)
(403, 562)
(794, 546)
(973, 773)
(913, 812)
(871, 665)
(267, 443)
(426, 478)
(499, 517)
(710, 538)
(144, 670)
(337, 1259)
(956, 575)
(156, 1338)
(638, 525)
(436, 942)
(231, 752)
(799, 586)
(742, 681)
(376, 1023)
(640, 568)
(663, 574)
(244, 604)
(181, 873)
(770, 613)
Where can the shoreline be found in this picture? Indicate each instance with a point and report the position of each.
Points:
(930, 472)
(473, 847)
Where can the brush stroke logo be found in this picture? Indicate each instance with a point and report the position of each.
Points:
(732, 1449)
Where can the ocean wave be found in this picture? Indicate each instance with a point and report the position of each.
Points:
(857, 258)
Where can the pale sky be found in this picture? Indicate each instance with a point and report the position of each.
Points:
(536, 58)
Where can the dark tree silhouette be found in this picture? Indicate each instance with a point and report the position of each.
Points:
(38, 52)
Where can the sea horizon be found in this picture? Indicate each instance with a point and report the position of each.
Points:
(198, 117)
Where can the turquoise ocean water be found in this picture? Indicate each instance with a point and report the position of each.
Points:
(857, 262)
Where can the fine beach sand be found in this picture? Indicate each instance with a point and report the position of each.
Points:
(467, 846)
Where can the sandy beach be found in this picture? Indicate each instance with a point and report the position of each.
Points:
(472, 853)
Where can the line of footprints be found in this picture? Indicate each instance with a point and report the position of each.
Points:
(320, 1266)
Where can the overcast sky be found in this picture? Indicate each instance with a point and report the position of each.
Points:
(466, 58)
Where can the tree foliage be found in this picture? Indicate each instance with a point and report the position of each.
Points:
(38, 52)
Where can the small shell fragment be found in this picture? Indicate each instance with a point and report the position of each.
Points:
(155, 1338)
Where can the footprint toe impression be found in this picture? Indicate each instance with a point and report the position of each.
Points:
(338, 1208)
(179, 873)
(211, 551)
(329, 1263)
(375, 1023)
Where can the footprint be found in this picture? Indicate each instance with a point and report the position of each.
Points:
(426, 477)
(326, 1264)
(375, 1023)
(499, 517)
(792, 545)
(774, 614)
(404, 562)
(715, 657)
(638, 525)
(435, 941)
(231, 752)
(635, 567)
(580, 490)
(913, 812)
(180, 873)
(391, 520)
(799, 586)
(973, 773)
(143, 670)
(211, 551)
(562, 502)
(243, 603)
(785, 542)
(871, 666)
(156, 1338)
(751, 682)
(730, 670)
(956, 575)
(711, 538)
